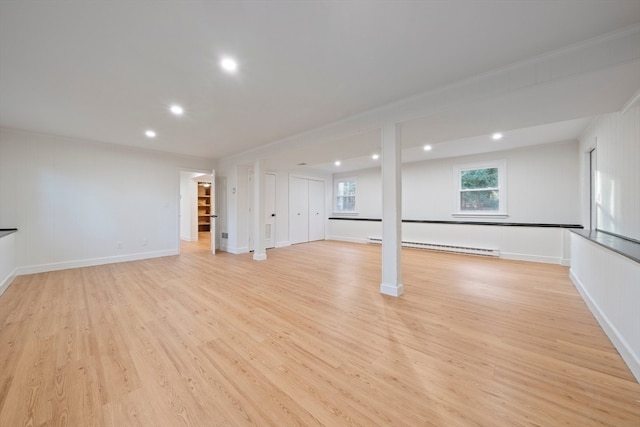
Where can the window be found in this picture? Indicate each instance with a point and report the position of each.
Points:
(480, 189)
(345, 195)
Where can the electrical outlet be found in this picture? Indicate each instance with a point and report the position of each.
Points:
(119, 245)
(225, 235)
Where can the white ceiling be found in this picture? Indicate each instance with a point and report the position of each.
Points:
(108, 70)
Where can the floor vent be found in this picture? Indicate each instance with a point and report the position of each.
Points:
(441, 248)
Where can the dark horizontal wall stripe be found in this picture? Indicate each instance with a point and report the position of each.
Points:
(503, 224)
(7, 231)
(355, 219)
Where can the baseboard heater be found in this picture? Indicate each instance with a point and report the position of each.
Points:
(440, 247)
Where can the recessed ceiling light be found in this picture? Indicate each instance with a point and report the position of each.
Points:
(150, 133)
(176, 109)
(375, 156)
(427, 147)
(337, 163)
(229, 64)
(496, 136)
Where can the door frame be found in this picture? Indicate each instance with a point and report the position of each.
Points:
(250, 208)
(179, 199)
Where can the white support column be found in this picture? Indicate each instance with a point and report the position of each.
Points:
(259, 251)
(391, 211)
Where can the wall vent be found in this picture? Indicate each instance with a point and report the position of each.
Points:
(441, 247)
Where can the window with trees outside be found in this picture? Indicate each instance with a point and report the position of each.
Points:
(481, 189)
(345, 195)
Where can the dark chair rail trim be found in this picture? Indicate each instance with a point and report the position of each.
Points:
(427, 221)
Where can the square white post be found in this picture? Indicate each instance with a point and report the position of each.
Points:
(391, 211)
(259, 251)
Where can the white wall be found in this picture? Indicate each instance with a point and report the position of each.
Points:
(548, 245)
(609, 282)
(616, 138)
(7, 261)
(228, 208)
(282, 209)
(610, 285)
(542, 185)
(244, 219)
(74, 200)
(188, 206)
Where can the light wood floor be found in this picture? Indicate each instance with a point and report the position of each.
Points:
(305, 338)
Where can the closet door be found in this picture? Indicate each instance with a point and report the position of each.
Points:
(269, 210)
(298, 210)
(316, 210)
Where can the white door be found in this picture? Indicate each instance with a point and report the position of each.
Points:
(298, 210)
(250, 238)
(269, 210)
(316, 210)
(212, 196)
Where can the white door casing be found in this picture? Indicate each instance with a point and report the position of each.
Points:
(212, 202)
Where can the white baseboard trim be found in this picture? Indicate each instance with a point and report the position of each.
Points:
(283, 244)
(505, 255)
(235, 251)
(532, 258)
(392, 289)
(347, 239)
(189, 239)
(4, 285)
(42, 268)
(619, 342)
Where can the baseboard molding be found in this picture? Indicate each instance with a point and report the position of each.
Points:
(504, 255)
(4, 285)
(347, 239)
(42, 268)
(283, 244)
(532, 258)
(619, 342)
(189, 239)
(235, 251)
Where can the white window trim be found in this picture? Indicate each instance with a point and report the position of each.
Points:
(336, 181)
(502, 189)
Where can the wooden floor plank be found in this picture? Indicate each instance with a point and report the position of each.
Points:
(306, 338)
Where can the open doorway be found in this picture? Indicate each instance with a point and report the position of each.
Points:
(204, 196)
(196, 193)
